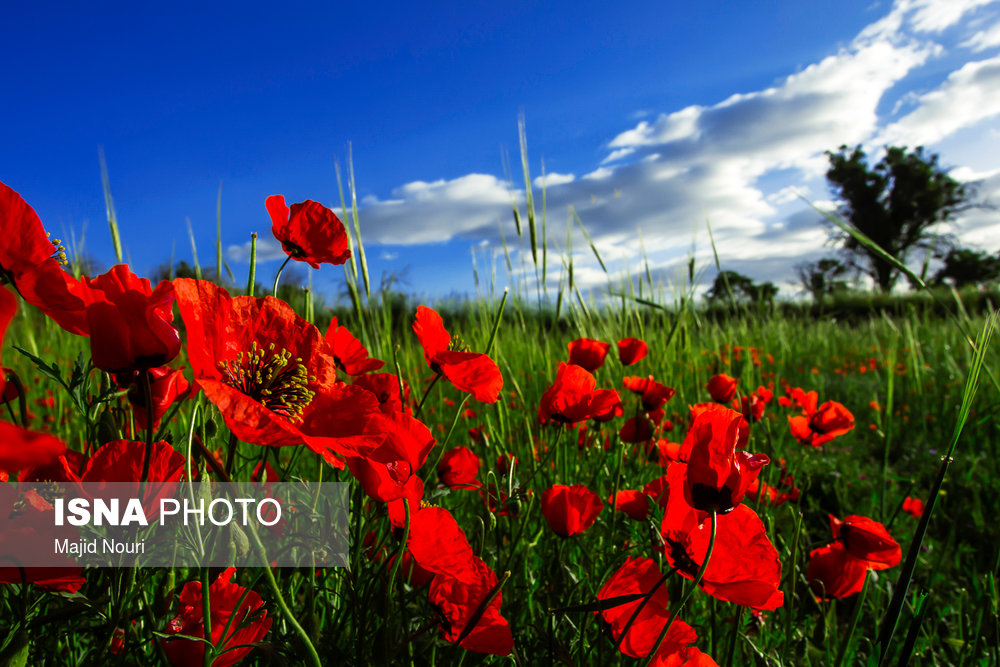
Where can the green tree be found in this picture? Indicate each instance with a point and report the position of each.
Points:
(823, 278)
(964, 267)
(896, 203)
(741, 288)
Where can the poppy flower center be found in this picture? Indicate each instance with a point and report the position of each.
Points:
(272, 377)
(458, 345)
(59, 252)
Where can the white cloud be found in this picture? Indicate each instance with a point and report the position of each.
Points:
(553, 179)
(598, 174)
(618, 154)
(268, 250)
(969, 95)
(934, 16)
(984, 39)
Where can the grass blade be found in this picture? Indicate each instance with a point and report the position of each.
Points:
(109, 204)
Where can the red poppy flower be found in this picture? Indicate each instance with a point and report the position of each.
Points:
(654, 395)
(458, 469)
(588, 353)
(21, 448)
(440, 546)
(717, 474)
(721, 388)
(570, 510)
(834, 573)
(24, 243)
(867, 540)
(166, 386)
(385, 387)
(412, 493)
(411, 571)
(658, 490)
(471, 372)
(351, 356)
(8, 308)
(122, 461)
(641, 576)
(635, 504)
(914, 507)
(309, 232)
(752, 406)
(631, 351)
(744, 567)
(245, 616)
(573, 397)
(57, 294)
(385, 471)
(130, 324)
(27, 521)
(637, 429)
(665, 452)
(820, 425)
(272, 375)
(458, 601)
(689, 656)
(797, 397)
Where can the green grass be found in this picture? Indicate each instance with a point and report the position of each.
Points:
(923, 360)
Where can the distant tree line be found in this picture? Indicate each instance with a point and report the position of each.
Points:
(896, 204)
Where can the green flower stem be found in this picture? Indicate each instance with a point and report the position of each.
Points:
(684, 599)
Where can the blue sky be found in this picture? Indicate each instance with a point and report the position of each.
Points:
(648, 116)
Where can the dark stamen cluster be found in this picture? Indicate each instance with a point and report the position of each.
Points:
(272, 377)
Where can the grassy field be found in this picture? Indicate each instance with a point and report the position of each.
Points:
(903, 379)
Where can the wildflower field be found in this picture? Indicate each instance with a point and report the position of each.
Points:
(532, 481)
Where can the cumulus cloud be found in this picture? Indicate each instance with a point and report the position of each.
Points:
(969, 95)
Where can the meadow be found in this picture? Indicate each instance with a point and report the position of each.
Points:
(559, 575)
